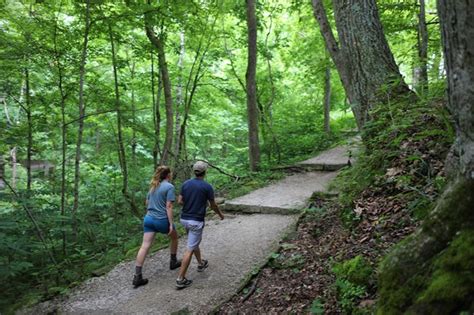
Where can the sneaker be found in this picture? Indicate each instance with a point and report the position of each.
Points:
(138, 281)
(175, 264)
(203, 266)
(184, 283)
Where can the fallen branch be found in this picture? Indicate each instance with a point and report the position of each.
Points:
(251, 291)
(220, 170)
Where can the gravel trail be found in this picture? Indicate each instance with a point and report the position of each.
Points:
(233, 247)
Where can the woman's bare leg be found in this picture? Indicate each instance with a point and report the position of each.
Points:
(174, 242)
(148, 238)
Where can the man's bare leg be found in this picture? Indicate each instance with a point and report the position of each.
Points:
(197, 253)
(188, 254)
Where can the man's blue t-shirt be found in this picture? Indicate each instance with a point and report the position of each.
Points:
(157, 200)
(196, 193)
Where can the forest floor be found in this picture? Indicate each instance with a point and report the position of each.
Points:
(299, 277)
(303, 276)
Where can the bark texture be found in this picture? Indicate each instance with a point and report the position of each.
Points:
(458, 33)
(362, 56)
(327, 99)
(407, 270)
(251, 87)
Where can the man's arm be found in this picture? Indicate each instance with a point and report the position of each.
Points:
(180, 200)
(216, 209)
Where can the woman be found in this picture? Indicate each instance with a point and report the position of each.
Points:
(159, 218)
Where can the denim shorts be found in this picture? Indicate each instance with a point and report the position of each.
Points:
(194, 230)
(151, 224)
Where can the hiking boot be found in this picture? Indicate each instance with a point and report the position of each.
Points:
(138, 281)
(175, 264)
(203, 266)
(184, 283)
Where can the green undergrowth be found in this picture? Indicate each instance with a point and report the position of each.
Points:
(402, 160)
(403, 138)
(111, 247)
(353, 277)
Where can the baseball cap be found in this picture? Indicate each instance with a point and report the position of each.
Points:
(200, 166)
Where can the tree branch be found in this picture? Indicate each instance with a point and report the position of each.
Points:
(320, 14)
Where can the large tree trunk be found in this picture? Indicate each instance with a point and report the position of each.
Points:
(158, 44)
(362, 56)
(327, 99)
(458, 34)
(453, 213)
(80, 128)
(251, 87)
(420, 72)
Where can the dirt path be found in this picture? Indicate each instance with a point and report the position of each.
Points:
(233, 247)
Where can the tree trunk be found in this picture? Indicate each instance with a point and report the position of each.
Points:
(2, 173)
(453, 212)
(156, 111)
(327, 99)
(62, 102)
(12, 153)
(14, 166)
(134, 116)
(457, 34)
(420, 72)
(29, 147)
(251, 87)
(362, 56)
(121, 148)
(195, 75)
(158, 44)
(179, 99)
(81, 107)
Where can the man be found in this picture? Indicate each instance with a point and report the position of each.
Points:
(195, 195)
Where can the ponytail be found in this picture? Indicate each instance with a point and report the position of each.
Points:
(160, 174)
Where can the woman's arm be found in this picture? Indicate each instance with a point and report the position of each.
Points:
(169, 213)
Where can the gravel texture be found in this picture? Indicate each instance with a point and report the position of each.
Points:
(234, 247)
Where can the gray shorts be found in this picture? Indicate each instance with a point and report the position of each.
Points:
(194, 231)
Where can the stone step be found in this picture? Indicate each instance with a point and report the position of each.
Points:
(331, 160)
(289, 195)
